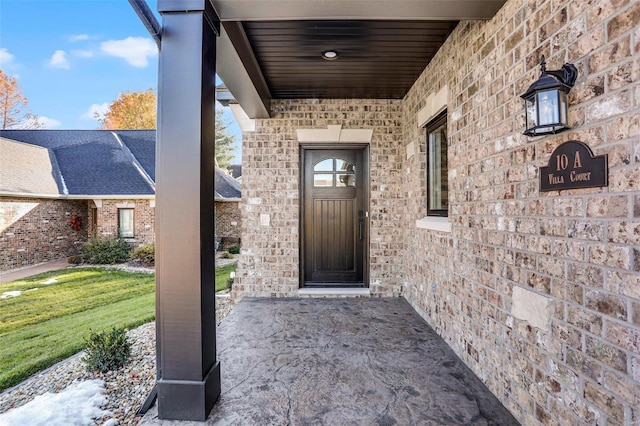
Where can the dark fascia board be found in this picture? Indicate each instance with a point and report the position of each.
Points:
(274, 10)
(240, 41)
(148, 19)
(244, 85)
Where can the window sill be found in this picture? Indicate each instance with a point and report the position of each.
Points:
(434, 223)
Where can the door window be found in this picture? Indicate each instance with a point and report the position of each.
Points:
(334, 172)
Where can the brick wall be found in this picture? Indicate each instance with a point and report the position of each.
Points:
(143, 216)
(269, 263)
(577, 251)
(574, 254)
(228, 221)
(36, 230)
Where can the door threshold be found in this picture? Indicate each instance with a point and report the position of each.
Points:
(334, 292)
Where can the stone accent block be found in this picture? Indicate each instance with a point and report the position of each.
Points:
(532, 307)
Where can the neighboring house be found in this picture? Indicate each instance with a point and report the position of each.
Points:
(227, 209)
(236, 171)
(101, 180)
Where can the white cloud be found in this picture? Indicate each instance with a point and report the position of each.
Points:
(6, 58)
(59, 60)
(96, 111)
(83, 53)
(48, 123)
(78, 37)
(134, 50)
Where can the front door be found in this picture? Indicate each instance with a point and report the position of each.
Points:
(334, 217)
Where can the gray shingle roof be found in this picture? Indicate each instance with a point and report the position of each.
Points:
(91, 162)
(226, 186)
(86, 162)
(142, 145)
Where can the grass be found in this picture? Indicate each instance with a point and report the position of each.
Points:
(50, 319)
(222, 276)
(56, 311)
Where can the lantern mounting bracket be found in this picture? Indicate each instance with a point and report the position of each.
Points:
(567, 74)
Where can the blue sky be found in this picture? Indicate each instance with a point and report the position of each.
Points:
(74, 57)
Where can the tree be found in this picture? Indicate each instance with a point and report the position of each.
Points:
(225, 142)
(14, 111)
(132, 110)
(137, 110)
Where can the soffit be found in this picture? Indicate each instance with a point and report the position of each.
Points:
(271, 49)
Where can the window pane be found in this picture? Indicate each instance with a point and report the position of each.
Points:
(125, 223)
(342, 165)
(346, 180)
(548, 107)
(530, 107)
(323, 180)
(437, 168)
(324, 166)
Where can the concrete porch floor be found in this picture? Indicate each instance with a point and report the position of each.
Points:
(355, 361)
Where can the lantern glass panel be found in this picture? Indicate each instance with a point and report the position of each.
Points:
(548, 107)
(564, 106)
(530, 108)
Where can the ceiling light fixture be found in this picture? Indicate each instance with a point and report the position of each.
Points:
(330, 55)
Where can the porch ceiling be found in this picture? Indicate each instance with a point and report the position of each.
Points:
(271, 49)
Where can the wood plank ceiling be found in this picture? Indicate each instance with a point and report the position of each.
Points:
(377, 58)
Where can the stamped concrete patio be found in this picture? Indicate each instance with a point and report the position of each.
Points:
(341, 361)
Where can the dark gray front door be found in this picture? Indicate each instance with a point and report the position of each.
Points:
(334, 217)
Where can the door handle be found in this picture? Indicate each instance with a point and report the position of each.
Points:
(360, 225)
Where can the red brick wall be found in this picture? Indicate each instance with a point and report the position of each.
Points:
(143, 216)
(228, 221)
(36, 230)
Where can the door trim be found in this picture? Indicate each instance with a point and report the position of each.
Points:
(364, 147)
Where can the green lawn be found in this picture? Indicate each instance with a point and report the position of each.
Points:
(222, 276)
(55, 311)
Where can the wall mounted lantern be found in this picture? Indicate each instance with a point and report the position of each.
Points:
(545, 102)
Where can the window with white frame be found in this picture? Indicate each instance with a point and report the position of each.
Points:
(437, 167)
(125, 223)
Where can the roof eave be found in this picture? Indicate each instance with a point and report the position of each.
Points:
(78, 196)
(238, 67)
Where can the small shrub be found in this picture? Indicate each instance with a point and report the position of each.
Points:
(234, 250)
(106, 251)
(107, 351)
(229, 283)
(74, 260)
(228, 256)
(145, 255)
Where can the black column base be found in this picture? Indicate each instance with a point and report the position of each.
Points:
(188, 400)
